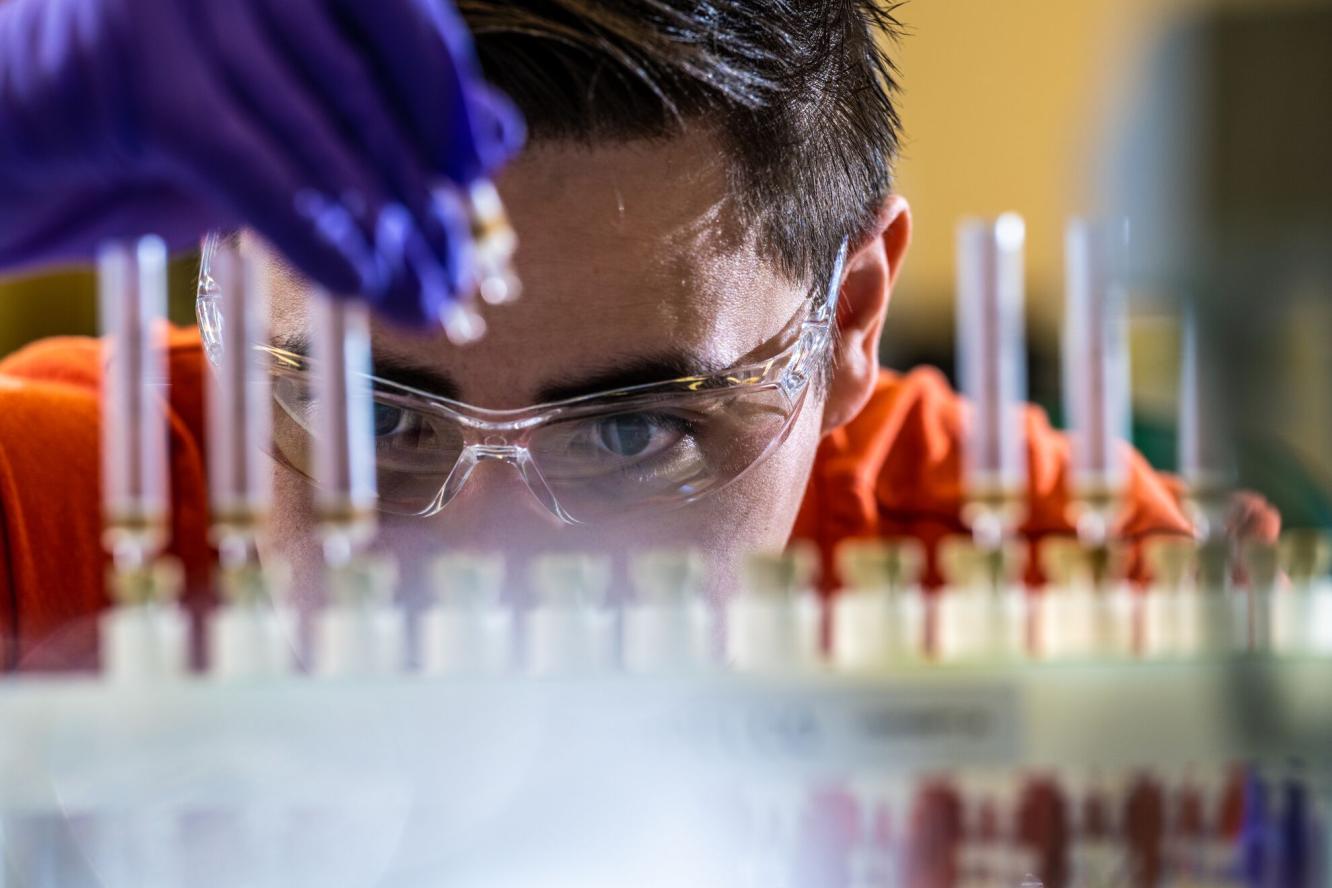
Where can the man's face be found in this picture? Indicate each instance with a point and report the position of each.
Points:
(631, 259)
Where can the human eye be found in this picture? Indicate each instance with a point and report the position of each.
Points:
(302, 404)
(390, 420)
(636, 436)
(638, 442)
(400, 430)
(409, 440)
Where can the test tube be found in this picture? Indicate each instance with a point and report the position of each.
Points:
(360, 631)
(984, 611)
(1170, 607)
(468, 629)
(572, 627)
(775, 623)
(878, 616)
(991, 363)
(344, 422)
(249, 636)
(132, 286)
(1096, 374)
(239, 409)
(1205, 459)
(1302, 614)
(142, 637)
(669, 624)
(1087, 611)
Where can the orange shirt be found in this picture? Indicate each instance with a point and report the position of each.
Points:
(894, 471)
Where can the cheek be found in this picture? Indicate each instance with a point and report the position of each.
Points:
(291, 539)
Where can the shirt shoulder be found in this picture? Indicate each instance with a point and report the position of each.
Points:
(51, 561)
(896, 470)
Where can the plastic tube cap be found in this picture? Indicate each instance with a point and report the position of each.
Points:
(880, 564)
(468, 579)
(1067, 562)
(668, 576)
(1172, 560)
(571, 579)
(250, 585)
(781, 574)
(965, 564)
(1262, 564)
(1305, 554)
(363, 582)
(158, 582)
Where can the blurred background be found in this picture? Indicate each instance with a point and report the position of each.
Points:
(1208, 122)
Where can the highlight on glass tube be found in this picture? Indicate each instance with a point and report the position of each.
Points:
(132, 287)
(991, 364)
(1096, 373)
(343, 423)
(239, 408)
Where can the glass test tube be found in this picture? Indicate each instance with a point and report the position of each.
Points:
(469, 628)
(1096, 374)
(572, 626)
(132, 286)
(239, 408)
(774, 624)
(1205, 460)
(344, 431)
(991, 362)
(668, 626)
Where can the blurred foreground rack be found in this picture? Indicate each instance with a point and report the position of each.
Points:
(702, 779)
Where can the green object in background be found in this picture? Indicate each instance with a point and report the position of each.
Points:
(1266, 466)
(64, 303)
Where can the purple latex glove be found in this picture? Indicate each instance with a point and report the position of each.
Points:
(325, 125)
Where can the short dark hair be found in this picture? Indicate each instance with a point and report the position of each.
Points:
(801, 93)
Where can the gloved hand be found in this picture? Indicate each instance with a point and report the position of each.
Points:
(325, 125)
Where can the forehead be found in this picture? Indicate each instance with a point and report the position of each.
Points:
(627, 251)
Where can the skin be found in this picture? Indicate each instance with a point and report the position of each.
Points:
(627, 250)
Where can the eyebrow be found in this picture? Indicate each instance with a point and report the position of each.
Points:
(395, 370)
(639, 371)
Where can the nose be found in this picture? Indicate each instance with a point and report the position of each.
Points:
(493, 506)
(497, 454)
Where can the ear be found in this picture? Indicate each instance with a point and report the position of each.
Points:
(867, 287)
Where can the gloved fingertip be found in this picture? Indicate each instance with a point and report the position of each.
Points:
(339, 257)
(457, 252)
(355, 203)
(499, 128)
(393, 226)
(424, 277)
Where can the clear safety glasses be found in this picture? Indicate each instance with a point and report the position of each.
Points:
(587, 459)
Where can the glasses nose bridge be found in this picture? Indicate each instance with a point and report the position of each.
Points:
(496, 447)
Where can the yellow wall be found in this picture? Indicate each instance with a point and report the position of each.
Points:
(64, 303)
(1002, 103)
(47, 305)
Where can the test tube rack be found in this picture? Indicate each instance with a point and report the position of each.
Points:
(607, 739)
